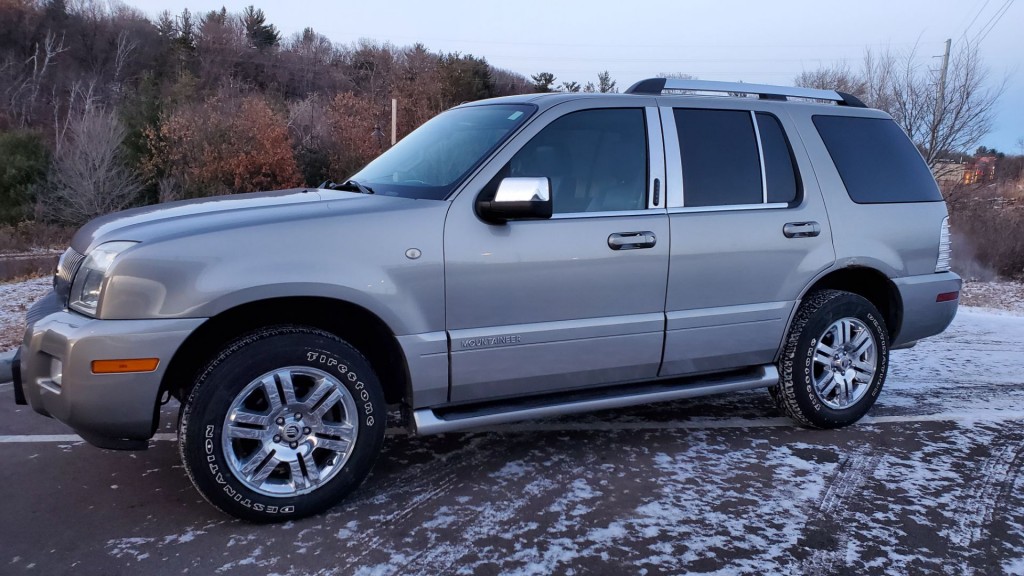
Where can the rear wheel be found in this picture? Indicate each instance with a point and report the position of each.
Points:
(834, 361)
(283, 424)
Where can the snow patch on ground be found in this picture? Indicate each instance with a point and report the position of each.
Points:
(15, 299)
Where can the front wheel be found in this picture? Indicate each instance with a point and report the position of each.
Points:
(834, 361)
(282, 424)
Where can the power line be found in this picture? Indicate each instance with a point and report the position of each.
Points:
(981, 35)
(975, 19)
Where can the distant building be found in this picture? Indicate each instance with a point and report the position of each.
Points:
(949, 171)
(983, 169)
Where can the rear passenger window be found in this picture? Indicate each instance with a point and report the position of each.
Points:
(722, 155)
(876, 160)
(720, 159)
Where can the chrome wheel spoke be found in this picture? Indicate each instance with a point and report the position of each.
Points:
(258, 462)
(861, 344)
(342, 431)
(823, 357)
(844, 391)
(312, 472)
(831, 385)
(284, 378)
(240, 433)
(864, 369)
(846, 331)
(299, 479)
(323, 387)
(340, 446)
(332, 399)
(269, 385)
(242, 416)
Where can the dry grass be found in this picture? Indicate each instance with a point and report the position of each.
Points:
(988, 231)
(29, 236)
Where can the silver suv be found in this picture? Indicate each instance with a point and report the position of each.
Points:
(513, 258)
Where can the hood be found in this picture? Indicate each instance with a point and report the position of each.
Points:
(203, 215)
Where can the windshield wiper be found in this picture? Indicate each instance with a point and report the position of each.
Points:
(349, 186)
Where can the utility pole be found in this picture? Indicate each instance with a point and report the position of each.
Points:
(942, 79)
(940, 99)
(394, 116)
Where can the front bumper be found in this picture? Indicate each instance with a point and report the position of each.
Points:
(923, 316)
(108, 410)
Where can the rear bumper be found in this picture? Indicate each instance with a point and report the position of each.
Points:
(108, 410)
(923, 316)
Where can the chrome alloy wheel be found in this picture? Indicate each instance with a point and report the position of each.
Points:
(844, 363)
(290, 431)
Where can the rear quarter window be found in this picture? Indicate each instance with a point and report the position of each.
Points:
(876, 160)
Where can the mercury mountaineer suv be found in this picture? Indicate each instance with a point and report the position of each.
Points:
(513, 258)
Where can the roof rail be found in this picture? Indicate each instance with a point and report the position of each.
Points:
(656, 86)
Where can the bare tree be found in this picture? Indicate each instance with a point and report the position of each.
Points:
(677, 75)
(836, 76)
(24, 81)
(903, 85)
(125, 47)
(89, 177)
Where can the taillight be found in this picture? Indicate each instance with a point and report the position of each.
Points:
(945, 249)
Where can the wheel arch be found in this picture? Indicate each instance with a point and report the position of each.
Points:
(868, 282)
(356, 325)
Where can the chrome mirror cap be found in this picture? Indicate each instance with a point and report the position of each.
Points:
(523, 190)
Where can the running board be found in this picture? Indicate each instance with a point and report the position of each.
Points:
(433, 421)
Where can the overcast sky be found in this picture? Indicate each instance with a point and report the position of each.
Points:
(765, 42)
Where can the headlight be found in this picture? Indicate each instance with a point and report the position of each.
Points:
(88, 285)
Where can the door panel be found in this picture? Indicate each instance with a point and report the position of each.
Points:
(538, 306)
(734, 275)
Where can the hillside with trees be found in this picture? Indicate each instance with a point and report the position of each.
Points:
(103, 108)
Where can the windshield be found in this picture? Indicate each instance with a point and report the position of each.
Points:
(432, 160)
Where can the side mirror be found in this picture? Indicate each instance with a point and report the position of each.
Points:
(518, 199)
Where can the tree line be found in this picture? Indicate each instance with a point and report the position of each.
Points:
(104, 108)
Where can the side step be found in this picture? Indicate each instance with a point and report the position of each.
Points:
(438, 421)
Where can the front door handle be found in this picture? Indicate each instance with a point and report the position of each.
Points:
(801, 229)
(632, 240)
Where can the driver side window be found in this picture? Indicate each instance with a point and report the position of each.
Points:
(596, 160)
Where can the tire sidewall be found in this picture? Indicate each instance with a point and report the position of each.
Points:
(246, 360)
(843, 305)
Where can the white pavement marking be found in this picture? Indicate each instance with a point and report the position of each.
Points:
(30, 438)
(692, 424)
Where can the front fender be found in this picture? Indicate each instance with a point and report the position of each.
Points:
(358, 259)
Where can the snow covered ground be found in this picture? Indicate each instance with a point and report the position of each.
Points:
(929, 483)
(15, 299)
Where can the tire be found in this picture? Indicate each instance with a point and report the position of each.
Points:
(834, 360)
(284, 423)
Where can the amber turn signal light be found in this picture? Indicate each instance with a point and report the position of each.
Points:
(121, 366)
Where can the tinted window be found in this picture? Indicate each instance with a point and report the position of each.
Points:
(876, 160)
(779, 171)
(721, 165)
(596, 160)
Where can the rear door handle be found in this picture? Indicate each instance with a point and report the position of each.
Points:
(632, 240)
(801, 229)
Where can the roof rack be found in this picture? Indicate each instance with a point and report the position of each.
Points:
(656, 86)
